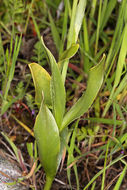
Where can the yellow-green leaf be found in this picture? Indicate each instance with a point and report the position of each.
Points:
(67, 54)
(41, 80)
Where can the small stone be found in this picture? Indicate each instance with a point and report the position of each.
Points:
(9, 172)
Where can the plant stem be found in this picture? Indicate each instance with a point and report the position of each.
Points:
(48, 184)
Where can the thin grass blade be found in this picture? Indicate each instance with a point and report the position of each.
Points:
(5, 103)
(55, 32)
(118, 184)
(99, 173)
(121, 62)
(71, 157)
(103, 178)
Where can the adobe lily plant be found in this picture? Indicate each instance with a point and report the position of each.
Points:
(52, 121)
(51, 125)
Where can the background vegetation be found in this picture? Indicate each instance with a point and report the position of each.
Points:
(95, 156)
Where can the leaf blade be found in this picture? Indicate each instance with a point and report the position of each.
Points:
(82, 105)
(70, 52)
(57, 89)
(48, 141)
(121, 177)
(41, 80)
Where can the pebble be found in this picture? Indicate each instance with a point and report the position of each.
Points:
(8, 173)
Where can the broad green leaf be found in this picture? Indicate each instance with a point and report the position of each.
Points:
(67, 54)
(48, 140)
(41, 80)
(95, 81)
(57, 89)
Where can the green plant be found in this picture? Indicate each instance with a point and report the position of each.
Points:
(51, 124)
